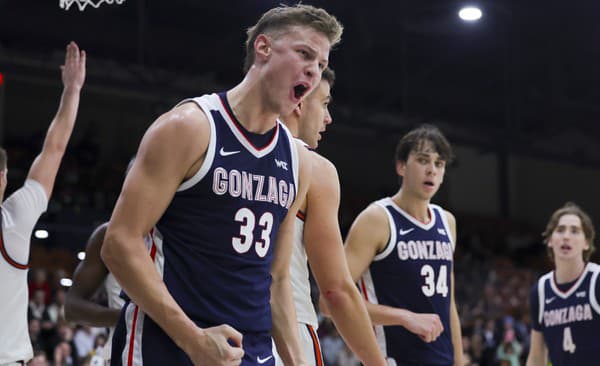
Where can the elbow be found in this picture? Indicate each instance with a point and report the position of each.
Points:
(337, 297)
(107, 253)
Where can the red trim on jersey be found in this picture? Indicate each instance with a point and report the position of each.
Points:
(363, 289)
(131, 340)
(301, 215)
(573, 283)
(5, 255)
(316, 345)
(239, 127)
(153, 248)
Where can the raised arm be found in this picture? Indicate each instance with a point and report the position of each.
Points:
(89, 276)
(46, 164)
(325, 251)
(171, 151)
(285, 328)
(455, 329)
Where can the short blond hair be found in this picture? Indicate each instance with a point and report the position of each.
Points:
(283, 17)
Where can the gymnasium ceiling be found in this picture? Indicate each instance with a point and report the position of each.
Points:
(525, 78)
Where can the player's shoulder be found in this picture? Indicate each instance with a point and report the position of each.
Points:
(185, 127)
(593, 267)
(374, 214)
(322, 165)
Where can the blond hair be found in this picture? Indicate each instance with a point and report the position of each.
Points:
(283, 17)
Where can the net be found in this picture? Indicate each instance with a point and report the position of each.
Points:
(81, 4)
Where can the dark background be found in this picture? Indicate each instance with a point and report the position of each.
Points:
(515, 92)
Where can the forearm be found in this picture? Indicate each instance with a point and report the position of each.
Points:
(387, 315)
(456, 333)
(60, 130)
(351, 319)
(142, 283)
(285, 323)
(86, 312)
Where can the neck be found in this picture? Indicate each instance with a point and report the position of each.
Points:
(416, 207)
(292, 123)
(251, 106)
(568, 270)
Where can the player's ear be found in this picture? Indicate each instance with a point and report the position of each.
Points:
(262, 47)
(400, 167)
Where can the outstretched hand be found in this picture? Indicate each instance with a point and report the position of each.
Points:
(73, 70)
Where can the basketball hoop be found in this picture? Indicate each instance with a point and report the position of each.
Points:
(81, 4)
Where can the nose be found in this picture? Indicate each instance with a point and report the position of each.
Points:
(431, 168)
(327, 120)
(312, 71)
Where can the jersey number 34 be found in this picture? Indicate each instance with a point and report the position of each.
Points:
(433, 286)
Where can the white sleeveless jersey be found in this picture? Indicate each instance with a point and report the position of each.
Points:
(305, 311)
(20, 213)
(113, 290)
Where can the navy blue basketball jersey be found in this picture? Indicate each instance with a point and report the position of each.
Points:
(569, 318)
(413, 272)
(214, 243)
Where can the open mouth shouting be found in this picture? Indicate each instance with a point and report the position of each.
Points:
(299, 91)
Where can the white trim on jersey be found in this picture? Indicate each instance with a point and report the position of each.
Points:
(212, 143)
(573, 288)
(409, 217)
(134, 322)
(294, 152)
(392, 242)
(259, 153)
(592, 293)
(159, 255)
(445, 223)
(542, 295)
(368, 292)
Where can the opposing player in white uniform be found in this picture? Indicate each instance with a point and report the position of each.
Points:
(565, 303)
(317, 239)
(22, 209)
(403, 248)
(90, 275)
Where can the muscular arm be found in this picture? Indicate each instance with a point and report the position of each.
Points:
(283, 311)
(325, 251)
(89, 276)
(169, 152)
(538, 353)
(46, 164)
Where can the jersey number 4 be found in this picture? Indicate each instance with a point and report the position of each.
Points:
(245, 241)
(568, 344)
(431, 286)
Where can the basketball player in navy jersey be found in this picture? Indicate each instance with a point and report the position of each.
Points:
(213, 181)
(565, 303)
(22, 209)
(317, 239)
(403, 248)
